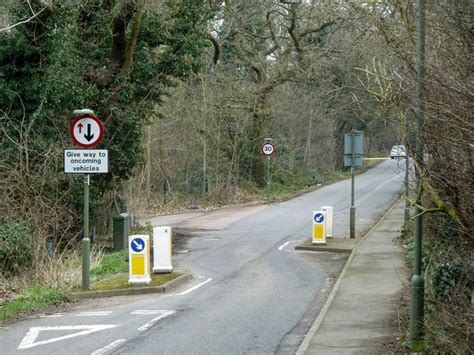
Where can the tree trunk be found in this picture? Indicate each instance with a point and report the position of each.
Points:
(137, 20)
(309, 134)
(148, 162)
(119, 38)
(259, 119)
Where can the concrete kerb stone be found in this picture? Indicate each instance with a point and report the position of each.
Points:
(166, 287)
(323, 249)
(314, 328)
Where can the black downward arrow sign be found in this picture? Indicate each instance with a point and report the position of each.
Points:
(88, 136)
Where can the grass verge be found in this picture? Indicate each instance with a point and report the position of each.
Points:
(32, 298)
(121, 281)
(110, 264)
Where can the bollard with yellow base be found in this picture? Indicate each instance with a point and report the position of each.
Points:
(139, 260)
(319, 227)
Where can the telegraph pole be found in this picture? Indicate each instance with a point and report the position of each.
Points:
(417, 282)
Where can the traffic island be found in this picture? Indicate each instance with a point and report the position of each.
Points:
(333, 245)
(118, 286)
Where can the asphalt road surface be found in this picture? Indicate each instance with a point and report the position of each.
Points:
(251, 292)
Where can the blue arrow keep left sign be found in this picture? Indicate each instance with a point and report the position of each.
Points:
(319, 217)
(137, 245)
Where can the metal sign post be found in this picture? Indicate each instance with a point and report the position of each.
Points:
(353, 209)
(268, 149)
(86, 131)
(268, 171)
(353, 156)
(86, 243)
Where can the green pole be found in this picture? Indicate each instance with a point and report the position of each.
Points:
(353, 209)
(86, 243)
(268, 175)
(417, 282)
(85, 240)
(165, 190)
(407, 186)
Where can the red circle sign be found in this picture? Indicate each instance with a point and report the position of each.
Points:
(268, 149)
(86, 130)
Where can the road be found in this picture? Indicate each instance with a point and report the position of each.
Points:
(251, 293)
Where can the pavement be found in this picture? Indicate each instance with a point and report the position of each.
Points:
(361, 311)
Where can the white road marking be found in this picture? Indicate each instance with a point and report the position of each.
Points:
(154, 320)
(194, 287)
(109, 347)
(148, 311)
(30, 337)
(210, 239)
(54, 315)
(93, 314)
(284, 245)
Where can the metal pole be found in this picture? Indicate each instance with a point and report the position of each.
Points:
(86, 244)
(417, 282)
(165, 190)
(268, 175)
(353, 209)
(407, 186)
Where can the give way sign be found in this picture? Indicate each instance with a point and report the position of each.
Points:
(86, 130)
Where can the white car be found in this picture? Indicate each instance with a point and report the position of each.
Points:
(398, 151)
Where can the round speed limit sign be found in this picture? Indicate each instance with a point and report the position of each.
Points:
(268, 149)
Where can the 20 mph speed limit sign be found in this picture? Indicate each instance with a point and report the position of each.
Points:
(268, 149)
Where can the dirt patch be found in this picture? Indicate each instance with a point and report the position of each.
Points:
(6, 295)
(181, 238)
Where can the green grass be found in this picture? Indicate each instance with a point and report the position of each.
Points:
(34, 297)
(112, 273)
(111, 264)
(121, 281)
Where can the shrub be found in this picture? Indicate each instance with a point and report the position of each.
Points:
(446, 278)
(15, 247)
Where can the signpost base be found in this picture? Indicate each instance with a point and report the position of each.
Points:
(352, 221)
(86, 247)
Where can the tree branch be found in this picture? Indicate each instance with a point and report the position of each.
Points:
(318, 29)
(276, 45)
(8, 28)
(217, 49)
